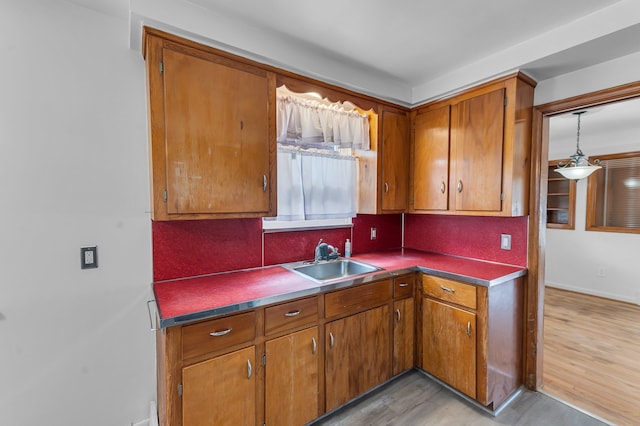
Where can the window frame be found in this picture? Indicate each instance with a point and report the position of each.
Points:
(592, 189)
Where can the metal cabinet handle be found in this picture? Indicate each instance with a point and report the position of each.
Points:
(403, 285)
(249, 369)
(293, 314)
(443, 187)
(221, 333)
(151, 317)
(331, 340)
(264, 183)
(459, 186)
(315, 345)
(386, 187)
(469, 328)
(448, 289)
(398, 314)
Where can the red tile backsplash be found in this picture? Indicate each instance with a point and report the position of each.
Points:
(388, 229)
(198, 247)
(292, 246)
(469, 236)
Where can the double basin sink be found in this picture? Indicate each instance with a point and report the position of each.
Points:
(330, 270)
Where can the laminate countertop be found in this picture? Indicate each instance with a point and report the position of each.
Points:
(190, 299)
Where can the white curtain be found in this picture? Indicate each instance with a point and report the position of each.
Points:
(319, 123)
(315, 185)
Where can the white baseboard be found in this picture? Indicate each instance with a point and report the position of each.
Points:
(606, 295)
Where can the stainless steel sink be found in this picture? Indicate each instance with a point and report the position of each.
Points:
(333, 269)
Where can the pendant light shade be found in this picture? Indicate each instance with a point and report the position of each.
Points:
(579, 166)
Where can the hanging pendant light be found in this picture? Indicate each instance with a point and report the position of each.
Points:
(578, 167)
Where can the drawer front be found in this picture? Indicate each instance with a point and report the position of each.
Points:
(357, 298)
(217, 334)
(290, 315)
(403, 286)
(450, 291)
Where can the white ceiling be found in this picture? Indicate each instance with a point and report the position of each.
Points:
(407, 51)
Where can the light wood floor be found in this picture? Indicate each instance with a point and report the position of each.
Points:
(592, 354)
(415, 400)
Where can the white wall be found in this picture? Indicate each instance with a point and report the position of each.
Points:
(600, 263)
(75, 345)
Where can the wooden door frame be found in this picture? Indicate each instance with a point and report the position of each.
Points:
(534, 294)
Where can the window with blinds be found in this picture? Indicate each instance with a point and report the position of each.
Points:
(613, 195)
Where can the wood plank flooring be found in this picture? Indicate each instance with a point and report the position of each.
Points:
(592, 354)
(415, 400)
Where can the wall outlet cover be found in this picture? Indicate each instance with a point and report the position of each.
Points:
(89, 257)
(505, 241)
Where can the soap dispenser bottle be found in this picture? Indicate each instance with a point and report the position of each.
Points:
(347, 248)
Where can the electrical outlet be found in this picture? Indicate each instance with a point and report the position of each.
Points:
(505, 241)
(374, 234)
(88, 257)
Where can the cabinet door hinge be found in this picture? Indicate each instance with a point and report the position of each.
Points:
(506, 101)
(161, 67)
(164, 196)
(179, 389)
(502, 196)
(264, 359)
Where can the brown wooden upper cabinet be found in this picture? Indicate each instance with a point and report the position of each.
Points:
(212, 125)
(393, 178)
(470, 153)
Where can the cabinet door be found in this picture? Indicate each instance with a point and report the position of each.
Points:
(217, 135)
(220, 391)
(395, 161)
(431, 160)
(291, 391)
(403, 335)
(357, 355)
(449, 345)
(478, 150)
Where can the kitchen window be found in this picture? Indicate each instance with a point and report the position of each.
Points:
(613, 194)
(317, 165)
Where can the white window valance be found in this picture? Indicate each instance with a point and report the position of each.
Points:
(309, 121)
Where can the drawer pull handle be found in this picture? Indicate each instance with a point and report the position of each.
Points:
(469, 328)
(404, 285)
(398, 314)
(448, 289)
(315, 345)
(293, 314)
(386, 187)
(459, 186)
(264, 183)
(443, 187)
(249, 370)
(221, 333)
(331, 340)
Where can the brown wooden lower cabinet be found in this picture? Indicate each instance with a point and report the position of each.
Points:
(289, 363)
(220, 391)
(449, 339)
(357, 355)
(291, 378)
(403, 335)
(471, 337)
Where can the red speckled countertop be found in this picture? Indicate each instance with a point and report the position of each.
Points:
(190, 299)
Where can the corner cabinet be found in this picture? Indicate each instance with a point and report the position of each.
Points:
(393, 178)
(212, 130)
(471, 337)
(470, 153)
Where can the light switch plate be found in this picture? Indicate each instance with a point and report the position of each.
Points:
(88, 257)
(505, 241)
